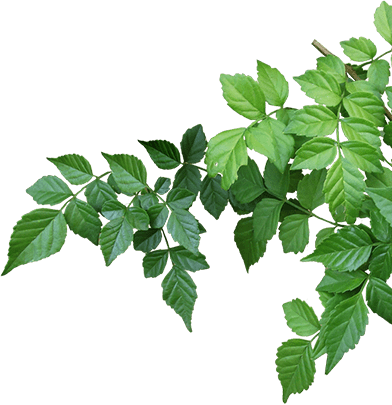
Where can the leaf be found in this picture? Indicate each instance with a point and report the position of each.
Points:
(115, 238)
(180, 198)
(49, 190)
(97, 193)
(345, 250)
(343, 189)
(320, 86)
(362, 155)
(213, 197)
(37, 235)
(162, 185)
(154, 263)
(381, 229)
(382, 197)
(315, 154)
(380, 265)
(147, 240)
(183, 228)
(148, 200)
(323, 234)
(242, 209)
(187, 260)
(179, 292)
(250, 249)
(388, 91)
(301, 318)
(83, 220)
(163, 153)
(285, 114)
(158, 215)
(113, 209)
(266, 218)
(338, 282)
(367, 106)
(225, 154)
(269, 140)
(383, 21)
(379, 180)
(379, 298)
(112, 183)
(359, 49)
(312, 120)
(295, 366)
(346, 325)
(243, 95)
(378, 74)
(189, 177)
(310, 189)
(128, 172)
(273, 84)
(138, 218)
(295, 177)
(277, 183)
(359, 129)
(294, 233)
(75, 168)
(334, 66)
(362, 85)
(193, 144)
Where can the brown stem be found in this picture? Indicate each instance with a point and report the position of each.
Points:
(349, 70)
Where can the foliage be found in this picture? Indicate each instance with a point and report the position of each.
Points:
(329, 152)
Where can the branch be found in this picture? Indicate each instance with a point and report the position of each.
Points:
(349, 70)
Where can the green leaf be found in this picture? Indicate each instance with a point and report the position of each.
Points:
(163, 153)
(112, 183)
(158, 215)
(37, 235)
(332, 65)
(138, 218)
(378, 74)
(310, 189)
(75, 168)
(242, 209)
(98, 192)
(148, 200)
(362, 155)
(250, 249)
(359, 49)
(179, 292)
(213, 197)
(162, 185)
(266, 218)
(285, 114)
(359, 129)
(180, 198)
(381, 229)
(379, 180)
(189, 177)
(187, 260)
(312, 120)
(380, 264)
(295, 366)
(388, 91)
(323, 234)
(383, 21)
(367, 106)
(277, 183)
(343, 188)
(315, 154)
(363, 86)
(154, 263)
(183, 228)
(115, 238)
(128, 171)
(147, 240)
(294, 233)
(338, 282)
(243, 95)
(295, 177)
(193, 144)
(379, 298)
(269, 140)
(301, 318)
(273, 84)
(346, 325)
(382, 197)
(345, 250)
(83, 220)
(113, 209)
(49, 190)
(320, 86)
(225, 154)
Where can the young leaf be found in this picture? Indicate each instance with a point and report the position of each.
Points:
(128, 171)
(338, 282)
(273, 84)
(294, 233)
(113, 209)
(226, 153)
(98, 192)
(154, 263)
(362, 155)
(345, 250)
(115, 238)
(162, 185)
(359, 129)
(383, 21)
(266, 218)
(179, 292)
(334, 66)
(378, 74)
(193, 144)
(277, 183)
(158, 214)
(379, 298)
(295, 366)
(382, 197)
(380, 265)
(37, 235)
(49, 190)
(213, 197)
(189, 177)
(138, 218)
(359, 49)
(180, 198)
(243, 95)
(147, 240)
(75, 168)
(347, 323)
(301, 318)
(310, 189)
(163, 153)
(367, 106)
(188, 260)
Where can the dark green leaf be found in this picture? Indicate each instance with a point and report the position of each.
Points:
(380, 264)
(188, 260)
(138, 218)
(162, 185)
(277, 183)
(295, 177)
(75, 168)
(148, 200)
(213, 197)
(382, 197)
(301, 318)
(163, 153)
(242, 209)
(189, 177)
(99, 192)
(310, 189)
(193, 144)
(158, 215)
(294, 233)
(49, 190)
(154, 263)
(381, 228)
(180, 198)
(266, 218)
(113, 209)
(183, 227)
(112, 183)
(379, 298)
(147, 240)
(338, 282)
(323, 234)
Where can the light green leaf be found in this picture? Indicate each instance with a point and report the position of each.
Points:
(378, 74)
(382, 197)
(179, 292)
(98, 192)
(320, 86)
(362, 155)
(213, 197)
(294, 233)
(310, 189)
(180, 198)
(312, 120)
(379, 298)
(128, 171)
(113, 209)
(163, 153)
(315, 154)
(273, 84)
(332, 65)
(162, 185)
(347, 323)
(301, 318)
(193, 144)
(269, 140)
(359, 49)
(225, 154)
(266, 218)
(138, 218)
(380, 264)
(345, 250)
(383, 21)
(75, 168)
(183, 228)
(243, 95)
(188, 260)
(367, 106)
(363, 86)
(379, 180)
(295, 366)
(154, 263)
(37, 235)
(339, 282)
(158, 214)
(189, 177)
(359, 129)
(115, 238)
(147, 240)
(49, 190)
